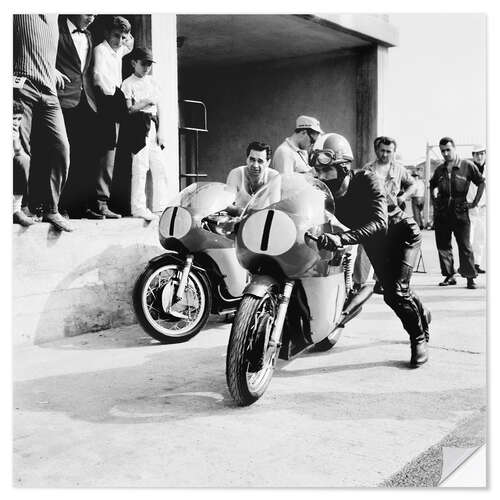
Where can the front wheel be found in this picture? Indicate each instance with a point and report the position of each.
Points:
(162, 315)
(250, 357)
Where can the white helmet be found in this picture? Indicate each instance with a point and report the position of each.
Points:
(339, 145)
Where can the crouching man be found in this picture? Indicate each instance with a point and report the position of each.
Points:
(391, 243)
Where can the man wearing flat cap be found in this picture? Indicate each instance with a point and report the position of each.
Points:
(478, 214)
(292, 155)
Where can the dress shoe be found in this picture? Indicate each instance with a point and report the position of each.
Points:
(449, 280)
(103, 209)
(21, 218)
(419, 354)
(479, 270)
(58, 221)
(90, 214)
(378, 288)
(37, 217)
(471, 284)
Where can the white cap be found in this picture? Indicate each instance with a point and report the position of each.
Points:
(478, 148)
(308, 122)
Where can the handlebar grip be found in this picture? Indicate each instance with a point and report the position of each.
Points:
(309, 235)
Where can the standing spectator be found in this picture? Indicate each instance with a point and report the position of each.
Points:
(42, 131)
(142, 96)
(417, 200)
(21, 169)
(111, 106)
(478, 214)
(292, 155)
(449, 186)
(398, 187)
(249, 178)
(74, 59)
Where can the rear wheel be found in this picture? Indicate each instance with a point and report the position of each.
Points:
(250, 359)
(163, 316)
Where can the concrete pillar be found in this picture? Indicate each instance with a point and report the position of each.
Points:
(382, 61)
(164, 45)
(366, 105)
(370, 101)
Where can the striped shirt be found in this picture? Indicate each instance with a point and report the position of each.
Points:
(35, 49)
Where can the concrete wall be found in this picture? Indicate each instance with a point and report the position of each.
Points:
(72, 283)
(261, 102)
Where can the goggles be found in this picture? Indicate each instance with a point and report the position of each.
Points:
(326, 159)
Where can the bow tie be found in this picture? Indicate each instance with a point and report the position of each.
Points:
(78, 30)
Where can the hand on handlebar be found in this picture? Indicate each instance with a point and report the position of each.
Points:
(329, 242)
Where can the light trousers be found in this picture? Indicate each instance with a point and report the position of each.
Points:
(148, 158)
(478, 234)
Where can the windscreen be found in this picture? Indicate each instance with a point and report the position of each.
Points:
(296, 194)
(205, 197)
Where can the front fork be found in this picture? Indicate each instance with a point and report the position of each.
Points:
(184, 276)
(284, 299)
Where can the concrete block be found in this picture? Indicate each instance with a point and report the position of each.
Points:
(66, 284)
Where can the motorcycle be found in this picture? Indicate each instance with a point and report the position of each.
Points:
(199, 272)
(296, 298)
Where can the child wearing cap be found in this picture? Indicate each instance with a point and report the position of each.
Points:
(142, 95)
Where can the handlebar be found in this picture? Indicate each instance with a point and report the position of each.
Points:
(309, 235)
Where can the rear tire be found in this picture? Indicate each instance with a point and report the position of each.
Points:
(196, 303)
(249, 362)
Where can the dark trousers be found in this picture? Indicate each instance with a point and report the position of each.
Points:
(21, 170)
(43, 137)
(393, 257)
(81, 122)
(111, 110)
(446, 224)
(417, 205)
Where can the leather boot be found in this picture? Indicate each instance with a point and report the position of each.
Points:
(419, 354)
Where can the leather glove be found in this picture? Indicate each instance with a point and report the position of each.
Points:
(329, 242)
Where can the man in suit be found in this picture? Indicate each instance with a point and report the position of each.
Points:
(74, 59)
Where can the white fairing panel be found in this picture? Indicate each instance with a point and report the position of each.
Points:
(235, 275)
(325, 298)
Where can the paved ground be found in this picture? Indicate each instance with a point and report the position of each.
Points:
(116, 409)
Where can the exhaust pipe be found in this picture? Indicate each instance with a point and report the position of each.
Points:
(351, 309)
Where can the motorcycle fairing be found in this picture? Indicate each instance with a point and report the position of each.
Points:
(276, 220)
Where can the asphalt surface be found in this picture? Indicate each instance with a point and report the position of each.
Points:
(115, 408)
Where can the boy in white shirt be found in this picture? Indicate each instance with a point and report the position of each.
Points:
(111, 104)
(142, 96)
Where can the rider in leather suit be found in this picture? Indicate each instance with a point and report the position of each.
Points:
(392, 244)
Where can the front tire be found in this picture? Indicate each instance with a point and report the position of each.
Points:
(250, 360)
(173, 322)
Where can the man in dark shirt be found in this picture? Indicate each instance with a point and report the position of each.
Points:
(449, 186)
(391, 243)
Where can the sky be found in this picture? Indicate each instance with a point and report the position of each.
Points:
(435, 83)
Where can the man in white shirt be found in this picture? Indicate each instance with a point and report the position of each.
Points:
(292, 155)
(417, 200)
(477, 214)
(112, 106)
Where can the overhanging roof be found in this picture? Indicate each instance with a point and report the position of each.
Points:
(225, 40)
